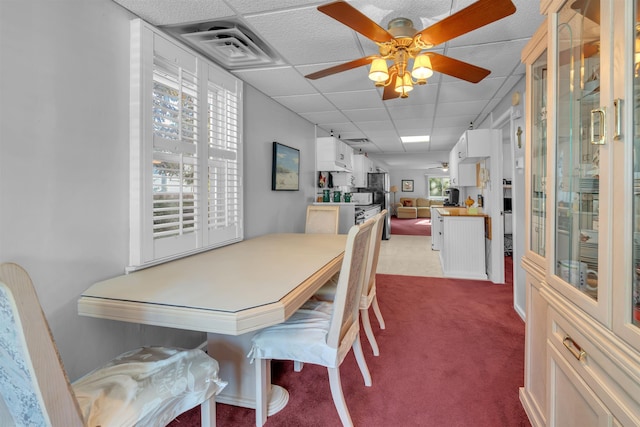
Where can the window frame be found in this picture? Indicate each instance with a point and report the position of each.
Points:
(148, 45)
(428, 185)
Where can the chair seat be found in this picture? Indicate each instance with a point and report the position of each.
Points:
(147, 387)
(303, 337)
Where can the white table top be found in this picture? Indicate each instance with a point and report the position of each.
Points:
(231, 290)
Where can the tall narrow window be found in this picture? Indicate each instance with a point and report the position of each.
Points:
(186, 168)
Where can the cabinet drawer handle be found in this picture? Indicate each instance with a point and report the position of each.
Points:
(573, 347)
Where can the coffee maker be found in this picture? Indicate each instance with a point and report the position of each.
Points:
(451, 196)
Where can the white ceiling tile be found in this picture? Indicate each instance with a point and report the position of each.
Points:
(461, 91)
(280, 81)
(305, 103)
(325, 117)
(166, 12)
(365, 114)
(460, 108)
(324, 38)
(355, 99)
(252, 6)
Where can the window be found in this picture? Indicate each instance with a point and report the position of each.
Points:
(436, 186)
(186, 163)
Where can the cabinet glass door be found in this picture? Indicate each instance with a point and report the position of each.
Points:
(538, 153)
(578, 135)
(635, 288)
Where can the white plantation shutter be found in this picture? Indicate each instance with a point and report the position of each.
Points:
(186, 193)
(224, 218)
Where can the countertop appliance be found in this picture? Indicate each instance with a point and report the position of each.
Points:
(451, 197)
(378, 185)
(362, 198)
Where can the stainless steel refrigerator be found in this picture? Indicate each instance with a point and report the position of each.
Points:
(378, 184)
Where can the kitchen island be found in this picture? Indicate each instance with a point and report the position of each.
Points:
(462, 243)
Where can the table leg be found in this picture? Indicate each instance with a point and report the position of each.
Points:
(235, 368)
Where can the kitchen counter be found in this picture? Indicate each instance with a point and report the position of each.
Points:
(336, 203)
(461, 240)
(457, 211)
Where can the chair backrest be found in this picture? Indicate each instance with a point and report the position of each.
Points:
(374, 252)
(33, 383)
(322, 219)
(346, 303)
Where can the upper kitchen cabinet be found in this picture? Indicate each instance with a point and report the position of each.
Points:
(362, 166)
(475, 145)
(333, 155)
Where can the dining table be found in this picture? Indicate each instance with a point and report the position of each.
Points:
(230, 293)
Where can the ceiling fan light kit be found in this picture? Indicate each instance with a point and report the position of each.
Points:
(379, 71)
(402, 43)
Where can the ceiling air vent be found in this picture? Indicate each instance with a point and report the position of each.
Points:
(228, 43)
(357, 142)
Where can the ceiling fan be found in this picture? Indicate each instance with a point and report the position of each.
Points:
(402, 42)
(442, 167)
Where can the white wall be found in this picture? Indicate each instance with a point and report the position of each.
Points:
(270, 211)
(419, 182)
(64, 166)
(517, 178)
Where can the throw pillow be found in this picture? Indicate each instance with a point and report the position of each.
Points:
(408, 203)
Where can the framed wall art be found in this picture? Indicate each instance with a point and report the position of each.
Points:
(407, 185)
(285, 174)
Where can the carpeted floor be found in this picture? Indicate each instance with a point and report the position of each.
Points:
(411, 227)
(452, 355)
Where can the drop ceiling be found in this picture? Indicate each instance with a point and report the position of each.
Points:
(291, 38)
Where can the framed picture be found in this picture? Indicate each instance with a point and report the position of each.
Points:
(407, 185)
(285, 168)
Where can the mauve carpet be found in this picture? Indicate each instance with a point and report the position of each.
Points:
(452, 354)
(411, 227)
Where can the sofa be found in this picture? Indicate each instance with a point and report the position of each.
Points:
(418, 207)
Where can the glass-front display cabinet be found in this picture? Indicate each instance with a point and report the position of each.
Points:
(582, 348)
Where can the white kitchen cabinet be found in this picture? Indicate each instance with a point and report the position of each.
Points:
(472, 147)
(461, 174)
(582, 259)
(462, 253)
(436, 229)
(362, 166)
(333, 155)
(475, 145)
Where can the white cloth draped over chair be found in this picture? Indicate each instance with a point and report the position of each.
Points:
(320, 332)
(369, 297)
(322, 219)
(146, 387)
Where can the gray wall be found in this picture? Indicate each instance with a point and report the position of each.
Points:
(64, 166)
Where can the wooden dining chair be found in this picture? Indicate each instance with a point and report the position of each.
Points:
(322, 219)
(146, 387)
(320, 332)
(369, 297)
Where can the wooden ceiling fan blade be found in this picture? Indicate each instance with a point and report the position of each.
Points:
(353, 18)
(470, 18)
(455, 68)
(588, 8)
(342, 67)
(587, 50)
(389, 91)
